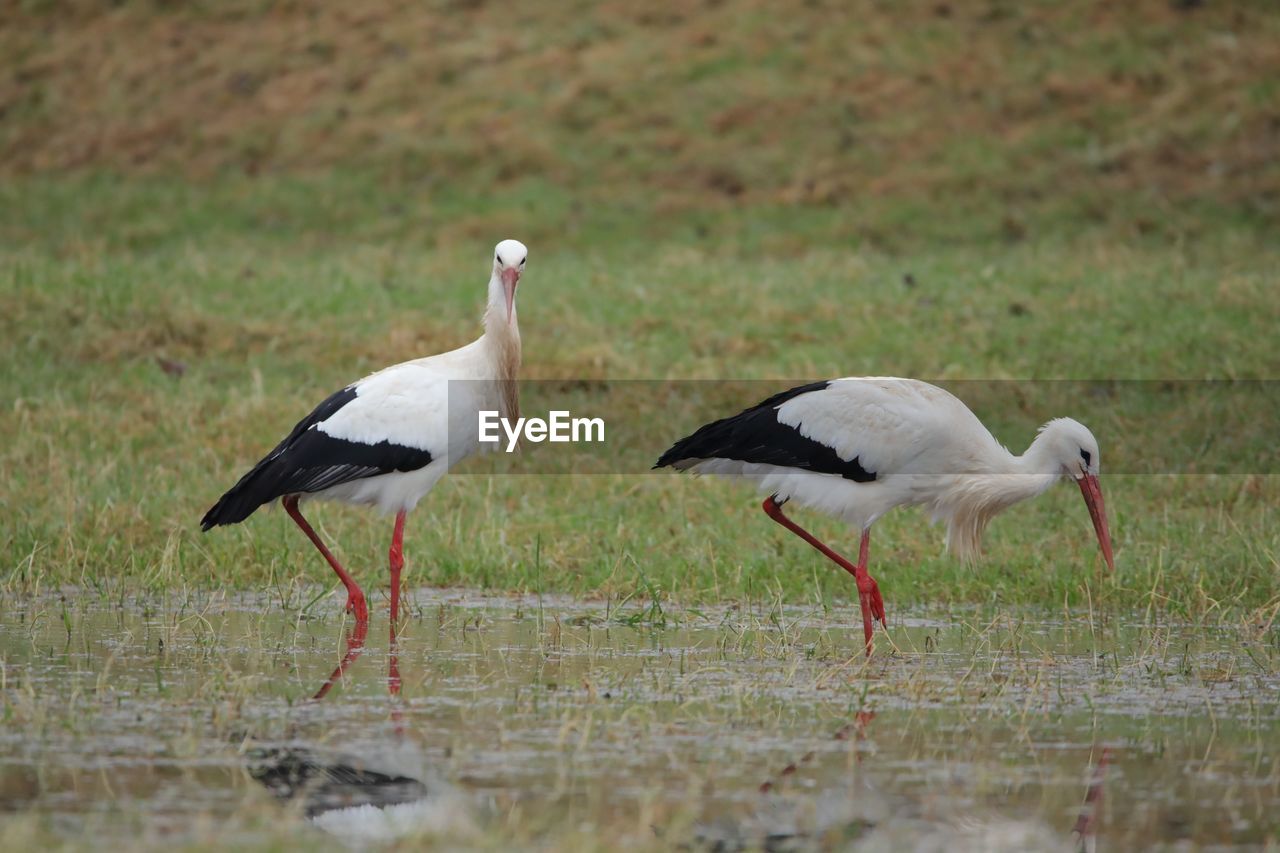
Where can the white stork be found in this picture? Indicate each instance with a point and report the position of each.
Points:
(856, 448)
(386, 440)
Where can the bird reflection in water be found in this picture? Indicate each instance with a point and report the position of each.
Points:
(1086, 829)
(355, 648)
(382, 794)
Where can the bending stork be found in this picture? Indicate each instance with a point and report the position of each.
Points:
(857, 447)
(386, 440)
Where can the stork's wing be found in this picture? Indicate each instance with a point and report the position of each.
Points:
(890, 424)
(854, 428)
(394, 420)
(759, 435)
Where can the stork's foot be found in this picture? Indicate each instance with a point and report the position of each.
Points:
(872, 607)
(357, 606)
(869, 591)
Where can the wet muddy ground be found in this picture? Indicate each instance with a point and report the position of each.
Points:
(494, 721)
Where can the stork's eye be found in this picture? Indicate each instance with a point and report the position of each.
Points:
(1086, 456)
(522, 260)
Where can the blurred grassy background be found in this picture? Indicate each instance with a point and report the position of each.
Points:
(994, 119)
(212, 214)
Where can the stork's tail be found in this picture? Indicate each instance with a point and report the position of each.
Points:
(232, 508)
(257, 487)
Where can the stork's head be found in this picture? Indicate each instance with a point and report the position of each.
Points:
(508, 265)
(1074, 448)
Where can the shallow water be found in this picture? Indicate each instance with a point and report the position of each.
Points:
(497, 720)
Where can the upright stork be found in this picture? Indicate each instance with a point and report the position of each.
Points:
(857, 447)
(385, 440)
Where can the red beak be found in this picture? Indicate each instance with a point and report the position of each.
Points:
(1092, 491)
(510, 278)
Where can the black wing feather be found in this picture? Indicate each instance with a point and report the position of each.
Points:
(756, 435)
(309, 460)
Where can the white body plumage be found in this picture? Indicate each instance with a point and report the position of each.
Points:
(427, 404)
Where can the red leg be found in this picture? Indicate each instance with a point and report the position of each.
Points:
(397, 563)
(355, 598)
(868, 589)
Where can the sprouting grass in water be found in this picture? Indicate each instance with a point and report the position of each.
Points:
(997, 707)
(648, 614)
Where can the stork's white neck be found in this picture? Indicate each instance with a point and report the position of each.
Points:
(501, 340)
(1017, 478)
(501, 331)
(1040, 462)
(1004, 480)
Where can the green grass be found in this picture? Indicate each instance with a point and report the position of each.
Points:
(283, 198)
(273, 292)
